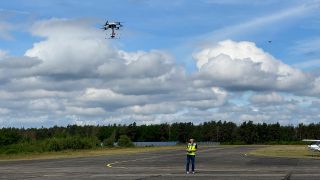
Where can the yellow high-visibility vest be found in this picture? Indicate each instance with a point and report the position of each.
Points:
(191, 149)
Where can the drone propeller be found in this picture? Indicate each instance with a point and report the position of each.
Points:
(104, 28)
(118, 23)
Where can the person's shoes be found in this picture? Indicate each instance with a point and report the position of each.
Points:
(193, 172)
(187, 172)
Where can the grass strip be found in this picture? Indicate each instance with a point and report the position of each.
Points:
(84, 153)
(292, 151)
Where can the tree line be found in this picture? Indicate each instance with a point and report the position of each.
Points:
(89, 136)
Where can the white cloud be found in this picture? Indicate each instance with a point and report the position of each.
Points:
(316, 87)
(109, 99)
(207, 99)
(74, 75)
(243, 66)
(149, 109)
(44, 104)
(4, 111)
(269, 98)
(93, 111)
(70, 48)
(2, 54)
(31, 94)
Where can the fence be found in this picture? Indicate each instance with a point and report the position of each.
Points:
(169, 143)
(208, 143)
(173, 143)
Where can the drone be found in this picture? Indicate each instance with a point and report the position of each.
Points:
(113, 26)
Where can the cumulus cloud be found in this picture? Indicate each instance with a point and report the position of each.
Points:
(70, 48)
(4, 111)
(109, 99)
(243, 66)
(270, 98)
(74, 75)
(94, 111)
(150, 109)
(315, 90)
(2, 54)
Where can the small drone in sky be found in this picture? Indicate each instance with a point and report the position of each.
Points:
(113, 26)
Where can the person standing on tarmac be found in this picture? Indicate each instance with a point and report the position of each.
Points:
(191, 155)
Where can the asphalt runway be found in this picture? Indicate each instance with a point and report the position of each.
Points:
(216, 163)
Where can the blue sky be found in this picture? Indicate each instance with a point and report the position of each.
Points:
(169, 25)
(183, 30)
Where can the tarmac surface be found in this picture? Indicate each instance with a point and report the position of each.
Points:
(218, 163)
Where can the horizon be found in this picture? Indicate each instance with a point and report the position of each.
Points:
(181, 61)
(165, 123)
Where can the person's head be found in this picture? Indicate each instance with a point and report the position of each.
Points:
(191, 140)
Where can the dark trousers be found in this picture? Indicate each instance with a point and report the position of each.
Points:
(192, 159)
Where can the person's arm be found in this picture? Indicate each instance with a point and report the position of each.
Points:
(196, 147)
(194, 150)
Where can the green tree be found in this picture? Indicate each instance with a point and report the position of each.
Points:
(132, 131)
(125, 141)
(9, 136)
(109, 142)
(248, 132)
